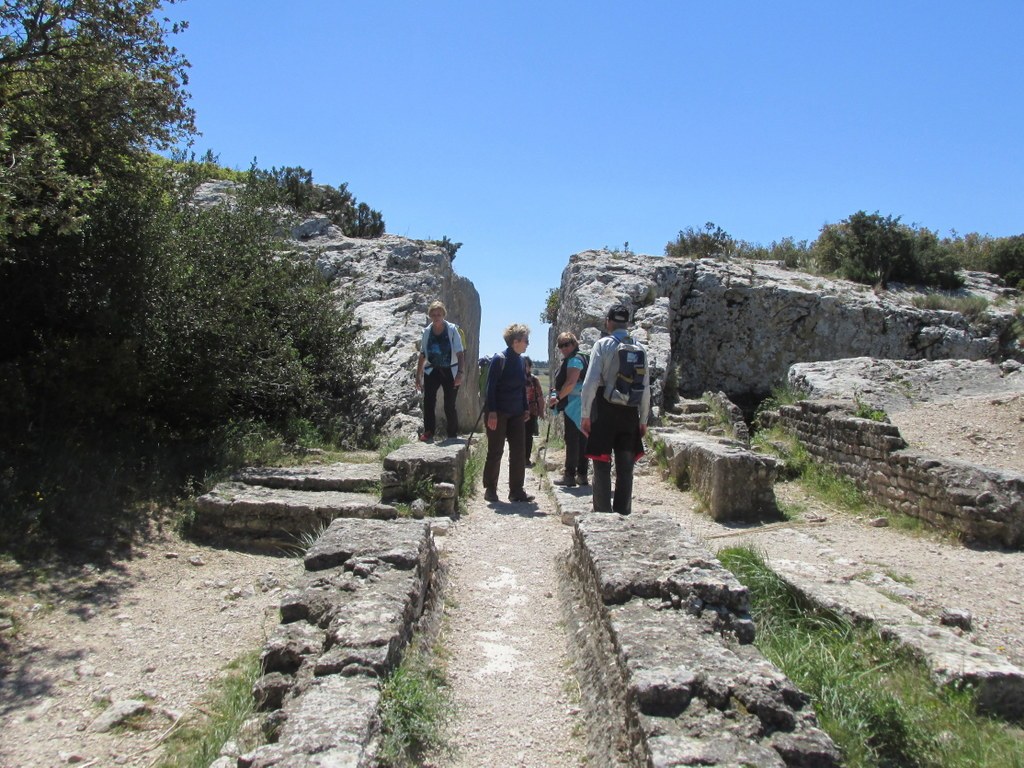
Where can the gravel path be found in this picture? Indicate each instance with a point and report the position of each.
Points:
(509, 666)
(159, 626)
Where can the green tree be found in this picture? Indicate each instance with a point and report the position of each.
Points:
(1006, 259)
(876, 250)
(86, 87)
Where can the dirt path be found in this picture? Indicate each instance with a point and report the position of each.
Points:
(158, 627)
(506, 639)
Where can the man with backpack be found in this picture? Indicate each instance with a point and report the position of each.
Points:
(441, 363)
(565, 397)
(616, 403)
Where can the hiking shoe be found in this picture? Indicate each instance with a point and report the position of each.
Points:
(569, 481)
(528, 464)
(581, 480)
(520, 496)
(491, 495)
(426, 437)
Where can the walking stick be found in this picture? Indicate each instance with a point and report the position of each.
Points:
(476, 426)
(542, 454)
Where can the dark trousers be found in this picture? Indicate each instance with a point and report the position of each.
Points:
(614, 436)
(576, 463)
(511, 429)
(532, 429)
(602, 498)
(440, 378)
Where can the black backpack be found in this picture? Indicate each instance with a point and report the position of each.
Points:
(626, 385)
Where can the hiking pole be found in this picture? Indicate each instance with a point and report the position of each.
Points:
(542, 454)
(475, 426)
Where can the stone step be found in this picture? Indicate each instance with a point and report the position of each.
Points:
(359, 478)
(732, 482)
(278, 517)
(952, 659)
(694, 421)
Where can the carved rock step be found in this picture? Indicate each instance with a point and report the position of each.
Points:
(272, 517)
(951, 659)
(355, 478)
(733, 482)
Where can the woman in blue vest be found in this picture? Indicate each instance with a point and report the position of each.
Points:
(507, 414)
(442, 360)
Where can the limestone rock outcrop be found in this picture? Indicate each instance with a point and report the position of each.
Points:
(390, 280)
(737, 326)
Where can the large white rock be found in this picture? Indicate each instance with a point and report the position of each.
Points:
(737, 326)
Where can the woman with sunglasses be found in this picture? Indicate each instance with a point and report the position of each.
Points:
(565, 397)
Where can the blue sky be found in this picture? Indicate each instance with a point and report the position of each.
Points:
(530, 131)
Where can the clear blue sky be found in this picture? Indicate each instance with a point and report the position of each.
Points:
(530, 131)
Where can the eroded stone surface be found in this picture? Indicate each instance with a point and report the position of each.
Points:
(733, 482)
(696, 692)
(345, 627)
(277, 516)
(356, 478)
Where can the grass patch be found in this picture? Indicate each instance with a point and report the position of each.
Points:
(971, 307)
(473, 470)
(198, 742)
(864, 410)
(780, 395)
(876, 702)
(817, 479)
(415, 710)
(386, 447)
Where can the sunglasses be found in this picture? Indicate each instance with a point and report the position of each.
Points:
(565, 344)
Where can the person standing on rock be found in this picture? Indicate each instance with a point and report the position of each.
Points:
(616, 402)
(565, 397)
(507, 413)
(535, 404)
(441, 363)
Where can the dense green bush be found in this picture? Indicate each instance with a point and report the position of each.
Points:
(708, 243)
(871, 249)
(877, 250)
(142, 338)
(295, 188)
(551, 306)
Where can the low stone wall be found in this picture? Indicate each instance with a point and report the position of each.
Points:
(431, 469)
(343, 629)
(672, 630)
(981, 504)
(277, 518)
(275, 508)
(952, 659)
(731, 481)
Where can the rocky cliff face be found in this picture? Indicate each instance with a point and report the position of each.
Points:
(392, 280)
(737, 326)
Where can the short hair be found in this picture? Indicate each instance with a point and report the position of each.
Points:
(567, 336)
(515, 331)
(527, 361)
(437, 305)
